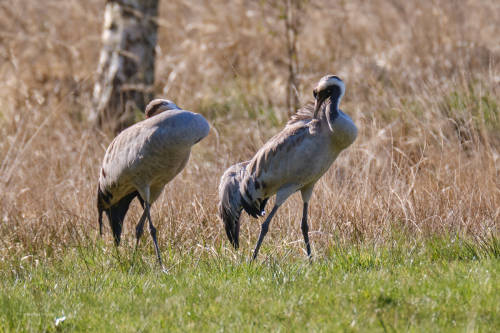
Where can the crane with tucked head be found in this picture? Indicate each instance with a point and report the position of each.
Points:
(142, 159)
(292, 160)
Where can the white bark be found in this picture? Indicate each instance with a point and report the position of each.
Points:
(125, 75)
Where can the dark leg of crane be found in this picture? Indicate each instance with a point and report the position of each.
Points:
(263, 231)
(152, 231)
(139, 229)
(305, 230)
(100, 222)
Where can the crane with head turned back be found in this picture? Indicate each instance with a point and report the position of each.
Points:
(293, 160)
(142, 159)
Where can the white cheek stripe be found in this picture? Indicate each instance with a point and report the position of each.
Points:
(332, 81)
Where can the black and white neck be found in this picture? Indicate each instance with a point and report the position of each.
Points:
(329, 91)
(332, 103)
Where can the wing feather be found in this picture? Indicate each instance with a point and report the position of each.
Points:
(275, 164)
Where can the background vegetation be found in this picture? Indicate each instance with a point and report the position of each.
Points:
(423, 86)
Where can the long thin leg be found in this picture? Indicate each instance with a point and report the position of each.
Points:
(139, 229)
(306, 195)
(100, 222)
(263, 231)
(305, 230)
(152, 231)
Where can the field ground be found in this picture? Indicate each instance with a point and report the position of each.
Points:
(437, 284)
(404, 225)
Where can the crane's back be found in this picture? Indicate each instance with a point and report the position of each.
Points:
(151, 152)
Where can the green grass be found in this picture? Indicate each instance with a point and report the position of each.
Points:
(430, 285)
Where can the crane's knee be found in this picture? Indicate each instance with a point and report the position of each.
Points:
(264, 228)
(305, 228)
(152, 230)
(139, 230)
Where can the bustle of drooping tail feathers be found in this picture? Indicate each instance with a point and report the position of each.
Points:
(252, 204)
(116, 214)
(305, 113)
(230, 201)
(101, 202)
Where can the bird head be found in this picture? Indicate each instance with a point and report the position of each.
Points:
(157, 106)
(330, 86)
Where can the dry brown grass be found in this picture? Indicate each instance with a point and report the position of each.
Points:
(423, 81)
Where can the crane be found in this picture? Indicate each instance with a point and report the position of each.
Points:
(142, 159)
(292, 160)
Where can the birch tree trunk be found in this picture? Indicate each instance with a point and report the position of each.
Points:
(125, 75)
(292, 28)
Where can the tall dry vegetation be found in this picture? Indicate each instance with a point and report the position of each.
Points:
(423, 81)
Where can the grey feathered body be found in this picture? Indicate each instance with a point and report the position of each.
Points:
(295, 158)
(151, 152)
(142, 159)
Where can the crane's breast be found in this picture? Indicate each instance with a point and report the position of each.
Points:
(344, 131)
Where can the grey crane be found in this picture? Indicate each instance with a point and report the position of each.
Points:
(142, 159)
(293, 160)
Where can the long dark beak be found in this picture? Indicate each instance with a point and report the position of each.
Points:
(317, 105)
